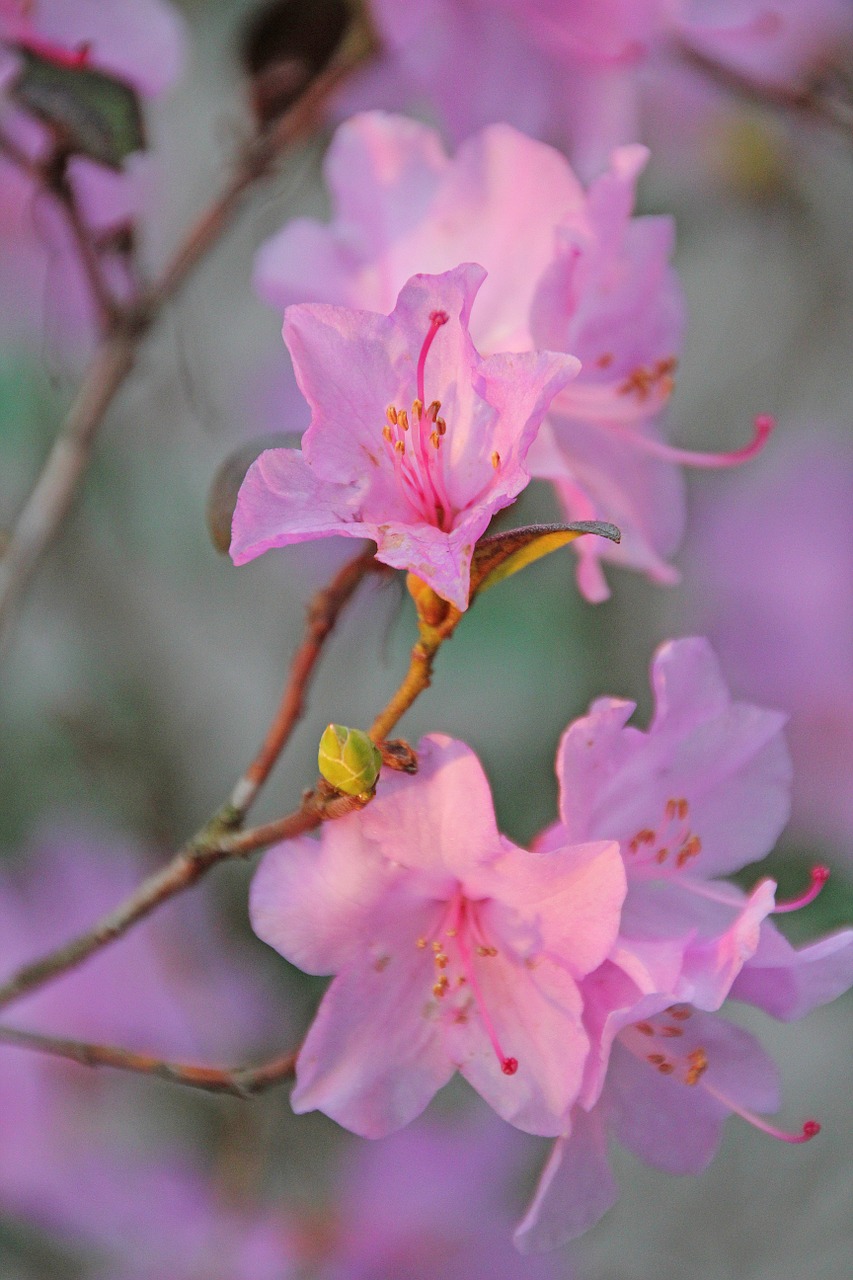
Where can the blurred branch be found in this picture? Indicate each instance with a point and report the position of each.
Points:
(219, 839)
(323, 613)
(811, 100)
(54, 491)
(241, 1082)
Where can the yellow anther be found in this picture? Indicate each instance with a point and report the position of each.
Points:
(391, 415)
(440, 987)
(386, 431)
(435, 439)
(496, 459)
(487, 951)
(436, 946)
(440, 426)
(432, 411)
(417, 409)
(400, 446)
(421, 944)
(403, 419)
(671, 808)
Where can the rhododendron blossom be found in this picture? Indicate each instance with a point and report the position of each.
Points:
(415, 440)
(453, 948)
(568, 270)
(702, 793)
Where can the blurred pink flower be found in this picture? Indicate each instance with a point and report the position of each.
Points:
(772, 563)
(149, 991)
(453, 949)
(42, 286)
(577, 72)
(424, 489)
(428, 1202)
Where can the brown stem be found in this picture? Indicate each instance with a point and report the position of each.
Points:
(242, 1082)
(419, 675)
(806, 101)
(323, 612)
(107, 307)
(56, 487)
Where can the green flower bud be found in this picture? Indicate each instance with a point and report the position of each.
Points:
(348, 760)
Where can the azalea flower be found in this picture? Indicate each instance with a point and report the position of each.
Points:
(415, 440)
(453, 949)
(569, 270)
(702, 793)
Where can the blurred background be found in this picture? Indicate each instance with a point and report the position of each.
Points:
(144, 670)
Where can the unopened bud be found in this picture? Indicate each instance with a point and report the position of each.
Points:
(348, 760)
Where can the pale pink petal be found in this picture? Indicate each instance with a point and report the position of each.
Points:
(789, 982)
(374, 1056)
(315, 901)
(564, 903)
(535, 1014)
(677, 1126)
(575, 1188)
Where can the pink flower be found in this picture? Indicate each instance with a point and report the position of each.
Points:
(577, 72)
(700, 794)
(415, 440)
(569, 270)
(453, 949)
(775, 560)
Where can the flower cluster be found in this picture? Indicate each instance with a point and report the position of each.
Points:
(576, 985)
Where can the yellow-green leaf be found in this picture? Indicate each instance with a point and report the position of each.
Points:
(500, 555)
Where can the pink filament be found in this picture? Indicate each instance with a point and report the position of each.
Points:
(819, 877)
(810, 1128)
(458, 921)
(764, 424)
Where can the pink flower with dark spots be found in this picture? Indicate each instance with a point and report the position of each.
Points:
(700, 794)
(453, 949)
(415, 440)
(569, 269)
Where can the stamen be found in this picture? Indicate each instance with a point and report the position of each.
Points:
(496, 459)
(509, 1066)
(810, 1128)
(764, 424)
(819, 877)
(391, 415)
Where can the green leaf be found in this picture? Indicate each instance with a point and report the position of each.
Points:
(500, 555)
(95, 114)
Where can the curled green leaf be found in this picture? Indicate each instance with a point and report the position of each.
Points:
(500, 555)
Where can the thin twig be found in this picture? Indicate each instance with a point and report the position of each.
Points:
(241, 1082)
(805, 101)
(323, 613)
(56, 487)
(107, 306)
(219, 839)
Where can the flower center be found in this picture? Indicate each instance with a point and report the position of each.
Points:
(415, 446)
(459, 938)
(666, 1044)
(672, 843)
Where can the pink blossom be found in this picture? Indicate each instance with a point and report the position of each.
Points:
(424, 487)
(700, 794)
(42, 285)
(569, 270)
(453, 949)
(577, 72)
(775, 560)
